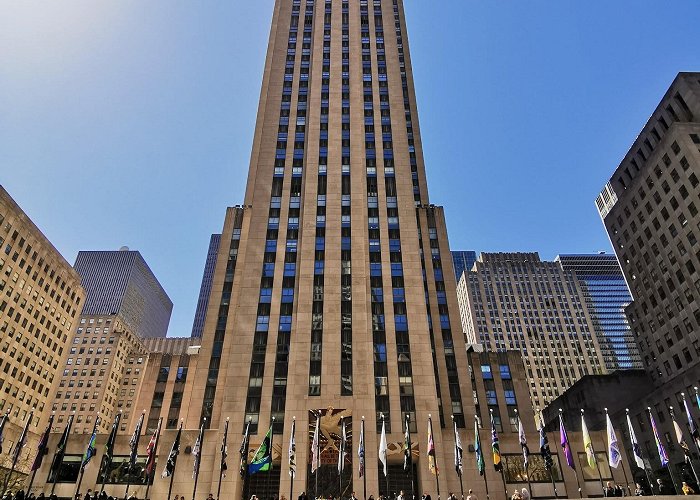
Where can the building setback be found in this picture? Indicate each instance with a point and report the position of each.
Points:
(40, 300)
(462, 260)
(606, 293)
(650, 209)
(516, 301)
(205, 287)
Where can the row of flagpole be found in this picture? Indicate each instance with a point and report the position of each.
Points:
(262, 459)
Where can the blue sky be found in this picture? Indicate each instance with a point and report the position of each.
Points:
(130, 123)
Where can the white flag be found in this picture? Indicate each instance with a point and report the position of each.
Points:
(293, 451)
(613, 448)
(458, 451)
(523, 442)
(341, 448)
(383, 449)
(315, 445)
(636, 450)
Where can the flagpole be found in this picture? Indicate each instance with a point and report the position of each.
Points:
(386, 477)
(578, 482)
(364, 465)
(633, 441)
(55, 455)
(551, 469)
(106, 465)
(527, 462)
(410, 455)
(622, 462)
(437, 470)
(340, 457)
(687, 455)
(17, 452)
(659, 447)
(478, 433)
(172, 475)
(139, 425)
(246, 444)
(690, 431)
(269, 472)
(292, 476)
(221, 469)
(41, 450)
(82, 466)
(151, 477)
(459, 471)
(200, 438)
(597, 466)
(317, 452)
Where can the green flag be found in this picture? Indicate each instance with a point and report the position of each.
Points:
(262, 460)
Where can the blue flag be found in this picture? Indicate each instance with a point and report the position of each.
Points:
(262, 460)
(91, 450)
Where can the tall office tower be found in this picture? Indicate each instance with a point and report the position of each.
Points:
(205, 287)
(40, 300)
(462, 260)
(333, 293)
(606, 293)
(517, 301)
(650, 208)
(120, 283)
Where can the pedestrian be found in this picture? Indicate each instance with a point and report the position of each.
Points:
(663, 489)
(471, 496)
(302, 496)
(516, 495)
(638, 491)
(525, 494)
(353, 497)
(687, 490)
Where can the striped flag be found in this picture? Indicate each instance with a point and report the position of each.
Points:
(663, 456)
(293, 451)
(134, 443)
(315, 445)
(243, 450)
(432, 466)
(22, 439)
(458, 451)
(197, 452)
(151, 451)
(692, 426)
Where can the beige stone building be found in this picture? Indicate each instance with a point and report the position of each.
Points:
(40, 301)
(517, 301)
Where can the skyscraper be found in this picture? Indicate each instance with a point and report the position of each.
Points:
(651, 211)
(120, 283)
(517, 301)
(462, 260)
(606, 293)
(205, 287)
(334, 283)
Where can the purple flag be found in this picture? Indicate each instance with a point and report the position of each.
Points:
(663, 456)
(565, 443)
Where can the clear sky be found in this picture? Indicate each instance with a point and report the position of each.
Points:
(125, 122)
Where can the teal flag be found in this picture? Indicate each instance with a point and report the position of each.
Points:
(262, 460)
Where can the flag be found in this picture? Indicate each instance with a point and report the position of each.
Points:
(151, 451)
(223, 466)
(172, 456)
(197, 452)
(480, 465)
(458, 452)
(663, 456)
(2, 428)
(109, 445)
(680, 438)
(43, 446)
(432, 465)
(293, 451)
(692, 426)
(636, 449)
(134, 443)
(614, 457)
(61, 448)
(495, 446)
(315, 445)
(588, 444)
(22, 438)
(564, 439)
(383, 449)
(545, 452)
(407, 458)
(262, 459)
(243, 450)
(90, 450)
(341, 448)
(361, 450)
(523, 442)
